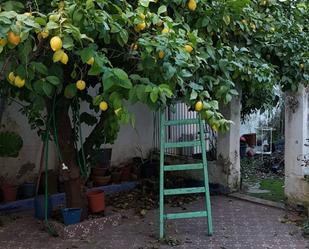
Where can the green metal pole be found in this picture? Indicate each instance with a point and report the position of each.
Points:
(206, 181)
(162, 150)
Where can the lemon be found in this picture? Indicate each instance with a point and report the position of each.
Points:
(103, 106)
(188, 48)
(19, 82)
(140, 26)
(161, 54)
(13, 38)
(272, 29)
(44, 34)
(55, 43)
(244, 21)
(198, 106)
(165, 30)
(58, 55)
(65, 58)
(301, 66)
(142, 16)
(192, 5)
(90, 61)
(80, 85)
(27, 14)
(3, 42)
(252, 25)
(11, 77)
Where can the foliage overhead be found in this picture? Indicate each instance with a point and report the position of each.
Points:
(109, 53)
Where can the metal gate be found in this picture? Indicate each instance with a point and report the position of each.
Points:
(182, 133)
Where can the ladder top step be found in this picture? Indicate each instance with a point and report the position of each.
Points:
(186, 215)
(180, 191)
(183, 167)
(182, 122)
(183, 144)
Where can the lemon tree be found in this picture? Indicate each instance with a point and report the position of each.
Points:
(109, 53)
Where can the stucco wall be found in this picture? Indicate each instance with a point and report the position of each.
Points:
(296, 133)
(26, 166)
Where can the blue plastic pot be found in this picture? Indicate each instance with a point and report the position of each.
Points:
(27, 190)
(39, 207)
(71, 215)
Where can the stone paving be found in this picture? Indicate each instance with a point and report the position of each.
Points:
(237, 224)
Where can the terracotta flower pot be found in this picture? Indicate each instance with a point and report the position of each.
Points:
(9, 192)
(101, 180)
(96, 201)
(98, 171)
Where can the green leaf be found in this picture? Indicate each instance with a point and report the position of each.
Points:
(48, 89)
(193, 95)
(144, 3)
(162, 9)
(53, 80)
(120, 74)
(97, 99)
(39, 67)
(154, 94)
(12, 5)
(70, 91)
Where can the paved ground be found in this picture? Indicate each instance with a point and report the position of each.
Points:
(237, 224)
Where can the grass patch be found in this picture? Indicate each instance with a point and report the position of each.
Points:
(276, 188)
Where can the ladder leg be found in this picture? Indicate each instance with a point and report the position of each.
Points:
(162, 151)
(206, 181)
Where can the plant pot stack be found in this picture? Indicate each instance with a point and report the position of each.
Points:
(100, 174)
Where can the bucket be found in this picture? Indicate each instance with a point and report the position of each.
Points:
(39, 207)
(9, 193)
(71, 215)
(96, 201)
(27, 190)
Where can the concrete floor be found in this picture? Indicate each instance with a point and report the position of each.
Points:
(237, 224)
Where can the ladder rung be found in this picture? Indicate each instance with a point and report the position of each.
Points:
(183, 167)
(180, 191)
(183, 144)
(186, 215)
(181, 122)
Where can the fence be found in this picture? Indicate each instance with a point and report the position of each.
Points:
(181, 133)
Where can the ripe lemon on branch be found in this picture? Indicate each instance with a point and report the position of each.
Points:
(103, 106)
(192, 5)
(13, 38)
(90, 61)
(188, 48)
(161, 54)
(80, 85)
(56, 43)
(19, 82)
(198, 106)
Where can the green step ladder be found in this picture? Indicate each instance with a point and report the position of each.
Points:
(198, 166)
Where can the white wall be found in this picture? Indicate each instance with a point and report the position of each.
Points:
(124, 148)
(296, 133)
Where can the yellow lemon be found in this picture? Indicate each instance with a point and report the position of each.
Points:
(188, 48)
(90, 61)
(55, 43)
(3, 42)
(80, 85)
(165, 30)
(19, 82)
(301, 66)
(65, 58)
(58, 55)
(28, 14)
(13, 38)
(244, 21)
(161, 54)
(192, 5)
(134, 47)
(272, 29)
(103, 106)
(139, 27)
(11, 77)
(198, 106)
(142, 16)
(252, 25)
(44, 34)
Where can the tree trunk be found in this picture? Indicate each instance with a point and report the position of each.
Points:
(74, 185)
